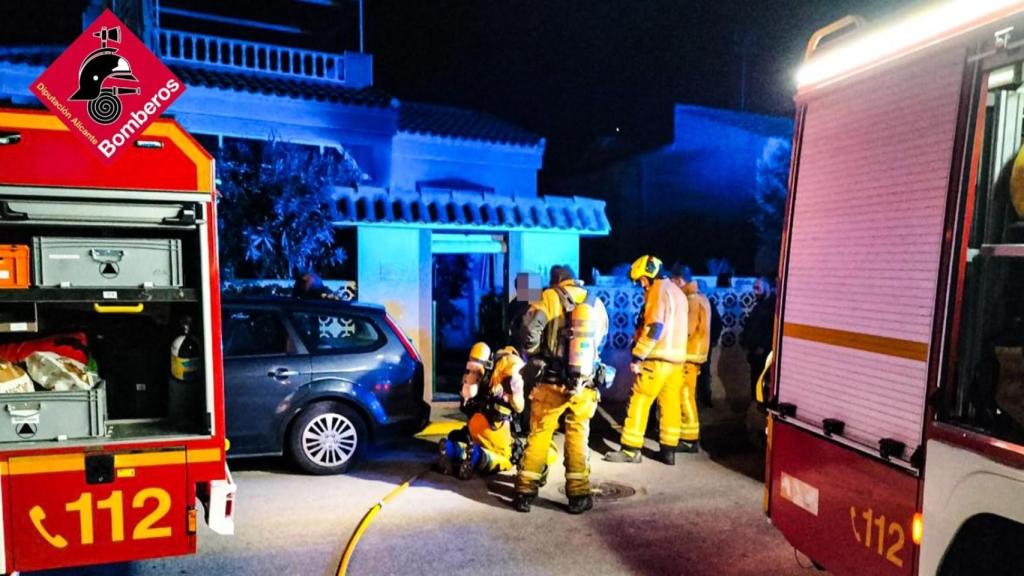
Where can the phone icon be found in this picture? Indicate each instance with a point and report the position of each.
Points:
(37, 514)
(853, 522)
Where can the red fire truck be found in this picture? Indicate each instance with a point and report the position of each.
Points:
(896, 429)
(103, 451)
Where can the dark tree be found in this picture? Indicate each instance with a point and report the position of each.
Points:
(770, 198)
(277, 207)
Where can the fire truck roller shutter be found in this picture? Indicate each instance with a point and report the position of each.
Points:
(862, 272)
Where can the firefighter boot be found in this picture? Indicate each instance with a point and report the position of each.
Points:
(687, 447)
(667, 455)
(624, 455)
(523, 502)
(580, 504)
(470, 463)
(444, 462)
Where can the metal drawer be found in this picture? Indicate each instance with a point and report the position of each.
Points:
(36, 416)
(106, 262)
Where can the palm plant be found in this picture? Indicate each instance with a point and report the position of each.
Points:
(277, 207)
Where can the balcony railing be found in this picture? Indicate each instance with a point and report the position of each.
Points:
(214, 51)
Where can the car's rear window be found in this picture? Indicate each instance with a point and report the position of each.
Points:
(253, 332)
(328, 332)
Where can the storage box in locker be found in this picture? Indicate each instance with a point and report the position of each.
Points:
(14, 266)
(106, 262)
(37, 416)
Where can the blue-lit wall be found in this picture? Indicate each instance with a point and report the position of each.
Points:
(537, 252)
(508, 170)
(395, 271)
(689, 200)
(713, 159)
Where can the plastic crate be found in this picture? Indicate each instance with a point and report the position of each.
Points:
(40, 416)
(14, 266)
(107, 262)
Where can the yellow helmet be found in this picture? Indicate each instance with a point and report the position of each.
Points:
(646, 266)
(480, 352)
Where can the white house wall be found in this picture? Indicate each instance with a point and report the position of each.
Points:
(509, 170)
(395, 271)
(537, 252)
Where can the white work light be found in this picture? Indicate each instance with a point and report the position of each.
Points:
(918, 30)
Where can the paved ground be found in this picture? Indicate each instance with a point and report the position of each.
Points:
(701, 517)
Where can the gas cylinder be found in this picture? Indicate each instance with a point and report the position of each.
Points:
(582, 343)
(186, 354)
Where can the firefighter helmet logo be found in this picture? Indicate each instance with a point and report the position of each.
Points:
(101, 66)
(107, 87)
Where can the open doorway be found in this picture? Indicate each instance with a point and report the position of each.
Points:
(470, 301)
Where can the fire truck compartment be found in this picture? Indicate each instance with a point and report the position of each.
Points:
(139, 398)
(130, 324)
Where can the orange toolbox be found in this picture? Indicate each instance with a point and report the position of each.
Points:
(14, 266)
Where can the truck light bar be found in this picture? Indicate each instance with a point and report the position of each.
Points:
(918, 30)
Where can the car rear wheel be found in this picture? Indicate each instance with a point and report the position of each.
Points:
(327, 438)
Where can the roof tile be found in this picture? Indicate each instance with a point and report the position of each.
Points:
(462, 124)
(475, 211)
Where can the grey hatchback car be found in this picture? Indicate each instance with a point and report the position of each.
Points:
(317, 380)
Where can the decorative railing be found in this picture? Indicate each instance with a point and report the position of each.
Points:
(190, 48)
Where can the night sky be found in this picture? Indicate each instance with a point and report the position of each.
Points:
(571, 70)
(577, 70)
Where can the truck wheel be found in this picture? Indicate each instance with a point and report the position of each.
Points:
(327, 438)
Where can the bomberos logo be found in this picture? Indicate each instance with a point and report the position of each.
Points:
(107, 87)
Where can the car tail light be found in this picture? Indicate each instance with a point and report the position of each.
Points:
(403, 338)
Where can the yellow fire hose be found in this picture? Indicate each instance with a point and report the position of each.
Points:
(432, 429)
(365, 522)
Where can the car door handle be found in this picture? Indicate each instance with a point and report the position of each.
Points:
(282, 373)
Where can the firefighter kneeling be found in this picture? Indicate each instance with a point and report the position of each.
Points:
(562, 334)
(492, 396)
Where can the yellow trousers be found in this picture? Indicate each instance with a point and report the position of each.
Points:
(496, 444)
(689, 428)
(547, 404)
(661, 381)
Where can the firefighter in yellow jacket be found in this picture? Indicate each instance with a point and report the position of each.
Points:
(562, 334)
(658, 358)
(492, 393)
(698, 344)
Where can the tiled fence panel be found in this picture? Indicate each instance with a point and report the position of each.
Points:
(624, 303)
